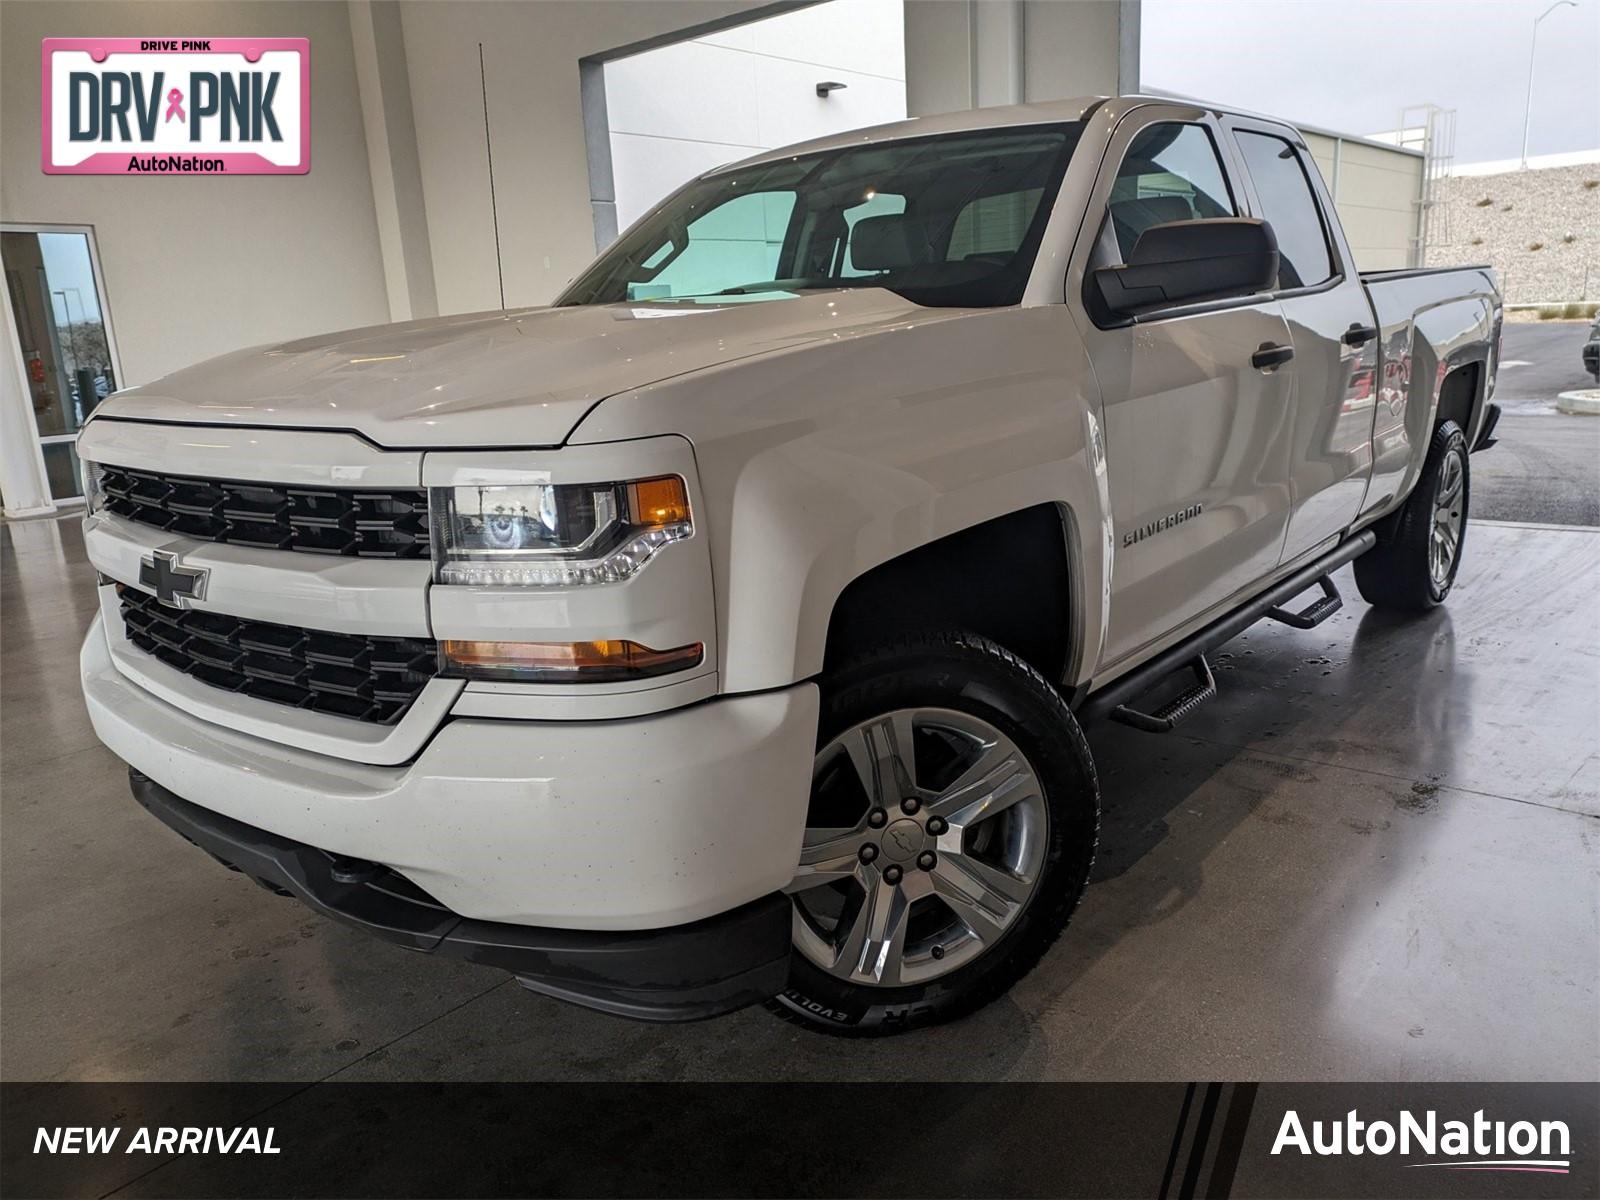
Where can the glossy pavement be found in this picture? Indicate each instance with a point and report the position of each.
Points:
(1377, 856)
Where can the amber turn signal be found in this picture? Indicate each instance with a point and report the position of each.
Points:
(659, 501)
(565, 662)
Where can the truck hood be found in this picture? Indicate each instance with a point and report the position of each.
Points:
(519, 378)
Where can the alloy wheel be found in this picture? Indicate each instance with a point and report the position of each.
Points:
(926, 839)
(1444, 541)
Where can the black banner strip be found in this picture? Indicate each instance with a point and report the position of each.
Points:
(897, 1138)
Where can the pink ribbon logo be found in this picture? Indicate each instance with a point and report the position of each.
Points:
(175, 105)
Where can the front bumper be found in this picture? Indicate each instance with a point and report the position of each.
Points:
(683, 973)
(632, 824)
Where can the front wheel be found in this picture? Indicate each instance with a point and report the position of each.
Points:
(954, 812)
(1415, 567)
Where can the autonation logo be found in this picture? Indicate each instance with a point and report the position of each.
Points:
(1476, 1145)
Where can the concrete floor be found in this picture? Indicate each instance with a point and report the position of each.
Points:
(1375, 857)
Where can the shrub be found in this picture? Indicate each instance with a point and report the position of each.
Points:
(1572, 310)
(1477, 241)
(1591, 184)
(1535, 245)
(1568, 238)
(1485, 202)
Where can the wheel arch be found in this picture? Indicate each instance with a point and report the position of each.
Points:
(1011, 578)
(1461, 395)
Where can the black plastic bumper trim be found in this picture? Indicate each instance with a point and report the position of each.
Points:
(681, 973)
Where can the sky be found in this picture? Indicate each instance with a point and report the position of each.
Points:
(1352, 65)
(67, 267)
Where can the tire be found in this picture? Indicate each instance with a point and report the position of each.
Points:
(1400, 572)
(969, 708)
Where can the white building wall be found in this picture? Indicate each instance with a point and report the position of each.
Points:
(531, 53)
(682, 109)
(197, 266)
(963, 54)
(1376, 192)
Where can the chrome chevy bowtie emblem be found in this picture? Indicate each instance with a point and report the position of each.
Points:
(173, 583)
(902, 840)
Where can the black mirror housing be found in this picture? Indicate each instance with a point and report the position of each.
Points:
(1184, 262)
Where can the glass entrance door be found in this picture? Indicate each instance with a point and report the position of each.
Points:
(63, 336)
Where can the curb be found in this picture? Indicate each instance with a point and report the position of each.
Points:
(1585, 402)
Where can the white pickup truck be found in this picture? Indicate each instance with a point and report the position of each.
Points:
(722, 632)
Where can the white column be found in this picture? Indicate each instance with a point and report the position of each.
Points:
(998, 29)
(963, 54)
(941, 71)
(385, 86)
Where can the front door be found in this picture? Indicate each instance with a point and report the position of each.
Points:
(1197, 436)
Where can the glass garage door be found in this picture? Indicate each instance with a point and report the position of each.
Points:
(61, 331)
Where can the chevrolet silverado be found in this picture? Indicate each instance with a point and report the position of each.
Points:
(721, 632)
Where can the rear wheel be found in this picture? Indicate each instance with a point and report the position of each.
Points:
(952, 825)
(1416, 566)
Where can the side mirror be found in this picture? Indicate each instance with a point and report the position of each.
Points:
(1186, 261)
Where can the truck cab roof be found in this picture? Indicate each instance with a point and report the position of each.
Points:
(1043, 112)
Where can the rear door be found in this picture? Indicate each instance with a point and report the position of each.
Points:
(1197, 437)
(1331, 324)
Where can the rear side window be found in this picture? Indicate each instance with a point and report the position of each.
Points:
(1289, 207)
(1170, 173)
(993, 227)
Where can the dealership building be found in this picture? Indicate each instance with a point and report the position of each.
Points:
(979, 473)
(469, 155)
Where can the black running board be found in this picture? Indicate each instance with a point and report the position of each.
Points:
(1125, 689)
(1165, 719)
(1316, 612)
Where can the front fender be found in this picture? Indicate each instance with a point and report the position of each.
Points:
(823, 462)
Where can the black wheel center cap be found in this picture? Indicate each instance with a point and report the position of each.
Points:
(902, 841)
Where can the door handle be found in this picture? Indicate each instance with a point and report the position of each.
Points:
(1358, 335)
(1269, 355)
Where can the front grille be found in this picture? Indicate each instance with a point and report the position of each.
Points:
(367, 524)
(365, 678)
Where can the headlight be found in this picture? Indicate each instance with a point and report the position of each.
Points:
(554, 535)
(93, 496)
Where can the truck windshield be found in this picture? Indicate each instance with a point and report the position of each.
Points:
(948, 221)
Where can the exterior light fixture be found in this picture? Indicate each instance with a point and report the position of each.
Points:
(831, 85)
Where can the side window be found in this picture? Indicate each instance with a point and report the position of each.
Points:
(992, 225)
(739, 240)
(1170, 173)
(1288, 205)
